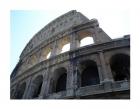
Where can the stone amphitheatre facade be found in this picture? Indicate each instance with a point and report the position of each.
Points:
(97, 71)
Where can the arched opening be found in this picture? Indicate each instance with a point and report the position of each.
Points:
(33, 59)
(89, 74)
(86, 41)
(36, 86)
(120, 66)
(20, 91)
(61, 83)
(48, 55)
(63, 45)
(60, 79)
(65, 48)
(45, 53)
(51, 86)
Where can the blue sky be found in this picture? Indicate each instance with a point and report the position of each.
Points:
(24, 24)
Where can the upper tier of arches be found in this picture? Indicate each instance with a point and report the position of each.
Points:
(58, 25)
(53, 46)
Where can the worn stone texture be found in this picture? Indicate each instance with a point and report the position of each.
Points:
(71, 28)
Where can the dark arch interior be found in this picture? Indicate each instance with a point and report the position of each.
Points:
(60, 79)
(20, 91)
(90, 74)
(120, 66)
(61, 83)
(37, 85)
(51, 86)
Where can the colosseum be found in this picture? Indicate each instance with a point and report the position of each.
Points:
(100, 70)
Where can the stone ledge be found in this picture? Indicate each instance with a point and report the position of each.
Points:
(92, 90)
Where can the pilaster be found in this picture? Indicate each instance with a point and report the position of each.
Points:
(74, 42)
(107, 75)
(44, 85)
(54, 49)
(27, 89)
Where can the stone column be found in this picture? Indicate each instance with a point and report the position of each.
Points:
(72, 76)
(74, 42)
(72, 79)
(47, 84)
(54, 49)
(44, 85)
(107, 76)
(27, 90)
(100, 71)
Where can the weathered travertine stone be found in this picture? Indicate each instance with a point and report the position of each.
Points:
(61, 75)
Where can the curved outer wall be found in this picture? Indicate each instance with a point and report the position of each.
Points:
(36, 77)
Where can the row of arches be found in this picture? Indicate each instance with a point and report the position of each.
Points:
(88, 75)
(83, 42)
(64, 46)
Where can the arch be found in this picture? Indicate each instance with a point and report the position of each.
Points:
(89, 73)
(36, 86)
(33, 59)
(61, 83)
(45, 53)
(48, 55)
(51, 86)
(120, 67)
(65, 48)
(86, 41)
(60, 79)
(20, 91)
(63, 45)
